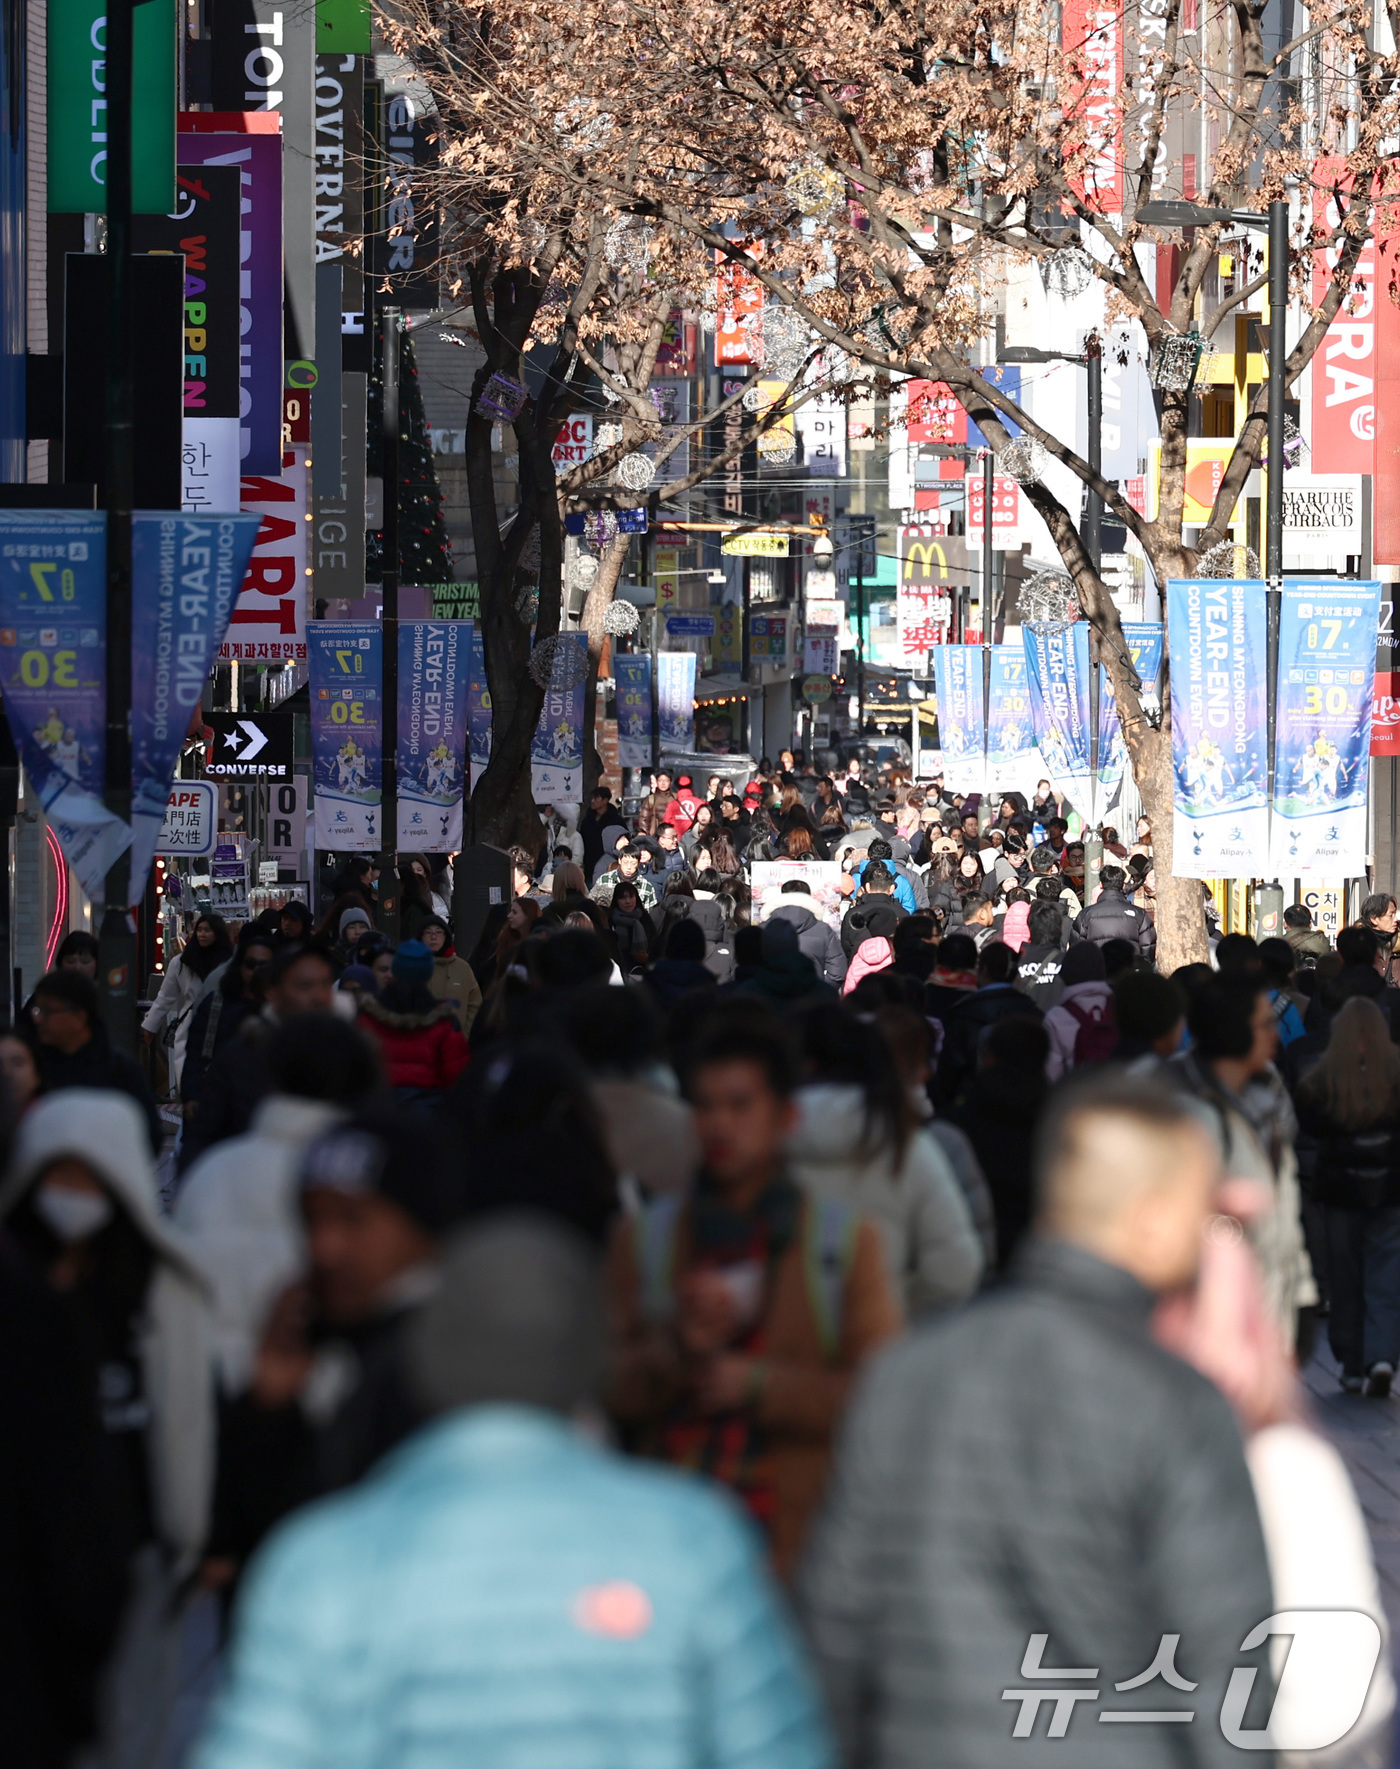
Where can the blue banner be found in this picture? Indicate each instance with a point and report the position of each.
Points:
(1144, 643)
(53, 675)
(1326, 678)
(345, 659)
(478, 706)
(1057, 669)
(957, 684)
(1013, 761)
(556, 755)
(432, 738)
(1217, 646)
(632, 675)
(675, 698)
(186, 572)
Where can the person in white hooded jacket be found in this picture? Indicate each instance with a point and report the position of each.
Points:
(237, 1205)
(79, 1206)
(1085, 1001)
(857, 1139)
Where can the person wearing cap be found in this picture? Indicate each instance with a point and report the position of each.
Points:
(508, 1588)
(326, 1397)
(420, 1043)
(680, 813)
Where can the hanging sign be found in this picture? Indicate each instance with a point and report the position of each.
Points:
(1013, 761)
(957, 677)
(268, 624)
(1144, 642)
(632, 675)
(346, 669)
(556, 755)
(675, 698)
(1322, 756)
(76, 163)
(1057, 671)
(1217, 648)
(478, 706)
(432, 734)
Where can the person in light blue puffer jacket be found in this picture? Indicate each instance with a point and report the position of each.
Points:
(504, 1593)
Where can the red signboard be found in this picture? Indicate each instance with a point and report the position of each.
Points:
(1092, 39)
(1344, 368)
(1385, 716)
(737, 320)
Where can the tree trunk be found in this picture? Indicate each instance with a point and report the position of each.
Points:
(1181, 926)
(595, 608)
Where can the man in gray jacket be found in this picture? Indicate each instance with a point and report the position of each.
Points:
(817, 941)
(1040, 1529)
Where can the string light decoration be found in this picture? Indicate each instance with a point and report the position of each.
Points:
(636, 471)
(1023, 460)
(1048, 596)
(583, 569)
(786, 341)
(501, 397)
(888, 328)
(559, 666)
(1172, 368)
(600, 527)
(606, 436)
(1069, 272)
(815, 190)
(1221, 561)
(627, 245)
(527, 604)
(620, 620)
(1295, 448)
(777, 448)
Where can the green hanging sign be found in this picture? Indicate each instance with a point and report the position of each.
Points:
(342, 27)
(77, 96)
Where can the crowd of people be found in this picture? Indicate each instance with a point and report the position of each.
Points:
(960, 1261)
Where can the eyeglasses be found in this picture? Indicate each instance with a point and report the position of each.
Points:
(47, 1010)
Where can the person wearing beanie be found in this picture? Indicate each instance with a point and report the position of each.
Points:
(376, 1195)
(512, 1576)
(682, 967)
(420, 1042)
(354, 924)
(1083, 1016)
(453, 979)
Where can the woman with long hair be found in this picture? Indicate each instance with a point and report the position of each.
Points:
(858, 1139)
(700, 831)
(568, 881)
(797, 844)
(1349, 1114)
(416, 902)
(722, 856)
(186, 980)
(524, 912)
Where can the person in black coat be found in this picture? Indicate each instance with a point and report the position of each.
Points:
(1349, 1121)
(999, 1115)
(874, 911)
(62, 1541)
(1363, 973)
(995, 998)
(1042, 957)
(1113, 917)
(74, 1050)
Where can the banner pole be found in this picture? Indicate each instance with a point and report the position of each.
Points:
(1278, 347)
(117, 933)
(389, 592)
(984, 804)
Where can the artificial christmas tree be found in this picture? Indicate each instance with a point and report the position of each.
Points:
(424, 554)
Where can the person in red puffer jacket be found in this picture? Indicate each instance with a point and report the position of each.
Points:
(420, 1043)
(680, 813)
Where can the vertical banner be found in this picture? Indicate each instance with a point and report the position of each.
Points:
(53, 676)
(185, 573)
(1217, 646)
(1013, 762)
(432, 743)
(632, 674)
(556, 755)
(1385, 697)
(205, 227)
(346, 677)
(1091, 35)
(258, 160)
(1143, 640)
(957, 677)
(478, 706)
(675, 698)
(1326, 677)
(76, 112)
(269, 620)
(1057, 672)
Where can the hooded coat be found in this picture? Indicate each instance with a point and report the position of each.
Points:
(176, 1339)
(237, 1211)
(454, 982)
(931, 1247)
(421, 1051)
(819, 942)
(873, 913)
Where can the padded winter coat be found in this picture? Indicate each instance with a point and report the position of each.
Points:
(502, 1590)
(420, 1051)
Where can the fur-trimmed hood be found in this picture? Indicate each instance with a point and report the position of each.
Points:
(407, 1022)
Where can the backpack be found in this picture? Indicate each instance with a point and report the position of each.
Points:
(829, 1230)
(1097, 1037)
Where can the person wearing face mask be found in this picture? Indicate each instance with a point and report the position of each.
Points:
(79, 1208)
